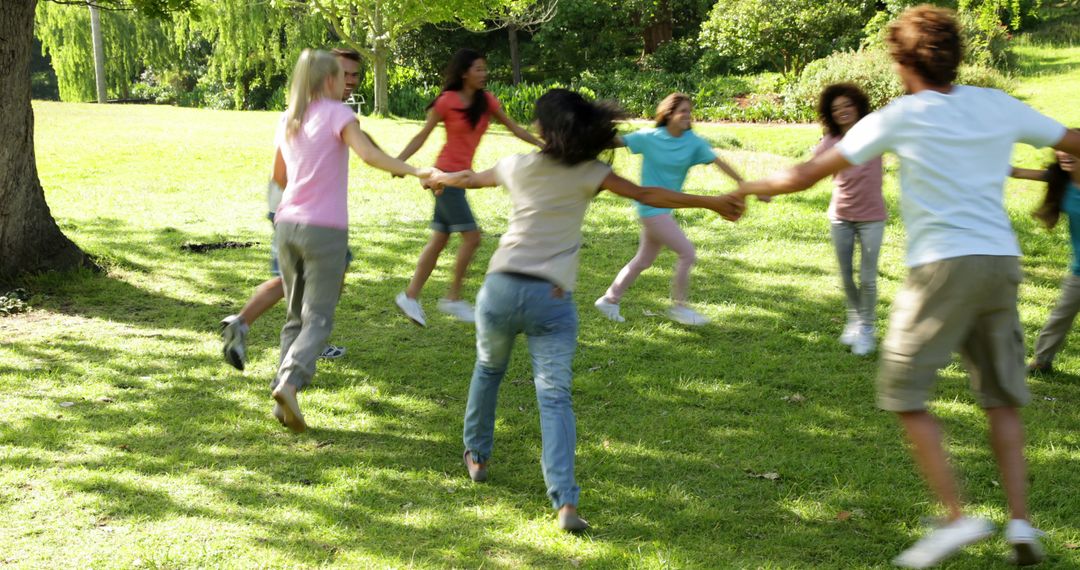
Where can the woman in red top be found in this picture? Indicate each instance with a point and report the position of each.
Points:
(464, 108)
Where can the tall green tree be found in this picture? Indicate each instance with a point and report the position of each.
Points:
(30, 240)
(372, 27)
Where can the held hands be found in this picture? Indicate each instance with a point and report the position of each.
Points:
(729, 206)
(459, 179)
(429, 178)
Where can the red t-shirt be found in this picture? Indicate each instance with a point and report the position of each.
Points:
(461, 138)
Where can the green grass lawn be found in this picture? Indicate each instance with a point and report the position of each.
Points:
(127, 442)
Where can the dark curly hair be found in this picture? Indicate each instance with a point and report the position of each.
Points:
(927, 39)
(459, 65)
(574, 129)
(830, 93)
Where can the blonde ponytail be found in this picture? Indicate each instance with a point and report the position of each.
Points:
(307, 83)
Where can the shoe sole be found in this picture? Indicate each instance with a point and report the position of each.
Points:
(290, 411)
(1026, 553)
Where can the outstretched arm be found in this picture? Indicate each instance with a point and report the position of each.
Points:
(515, 128)
(1028, 174)
(728, 170)
(797, 178)
(369, 153)
(729, 206)
(421, 137)
(466, 179)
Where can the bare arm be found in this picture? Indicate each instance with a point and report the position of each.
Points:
(729, 206)
(1070, 143)
(279, 176)
(515, 128)
(728, 170)
(799, 177)
(369, 153)
(1028, 174)
(467, 179)
(421, 137)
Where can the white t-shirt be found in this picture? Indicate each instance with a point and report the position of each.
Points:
(954, 151)
(549, 201)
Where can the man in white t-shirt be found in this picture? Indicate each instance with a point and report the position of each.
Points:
(954, 143)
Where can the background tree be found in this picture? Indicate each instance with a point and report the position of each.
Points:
(373, 27)
(30, 240)
(522, 15)
(784, 35)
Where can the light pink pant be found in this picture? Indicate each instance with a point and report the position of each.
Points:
(656, 233)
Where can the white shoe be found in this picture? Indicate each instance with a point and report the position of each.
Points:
(411, 308)
(687, 316)
(851, 332)
(460, 310)
(943, 542)
(865, 343)
(234, 341)
(1024, 540)
(609, 310)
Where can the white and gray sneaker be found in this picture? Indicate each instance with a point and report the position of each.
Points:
(459, 309)
(865, 343)
(234, 341)
(851, 332)
(944, 541)
(411, 308)
(609, 309)
(687, 316)
(1024, 540)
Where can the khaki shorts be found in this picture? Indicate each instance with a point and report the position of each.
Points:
(964, 303)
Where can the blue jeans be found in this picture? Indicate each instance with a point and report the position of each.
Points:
(861, 296)
(509, 304)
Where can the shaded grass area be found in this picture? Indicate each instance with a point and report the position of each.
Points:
(128, 442)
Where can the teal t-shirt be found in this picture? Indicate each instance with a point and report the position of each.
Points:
(666, 160)
(1070, 204)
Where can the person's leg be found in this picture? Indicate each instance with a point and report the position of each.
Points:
(1007, 440)
(470, 242)
(497, 324)
(843, 238)
(870, 235)
(924, 435)
(266, 295)
(666, 231)
(1057, 327)
(426, 264)
(322, 263)
(291, 266)
(551, 326)
(648, 249)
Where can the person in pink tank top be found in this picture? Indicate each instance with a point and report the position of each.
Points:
(464, 108)
(312, 221)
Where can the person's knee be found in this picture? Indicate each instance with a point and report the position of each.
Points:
(470, 239)
(688, 256)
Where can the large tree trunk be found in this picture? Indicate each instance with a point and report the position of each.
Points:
(30, 240)
(382, 77)
(515, 56)
(660, 29)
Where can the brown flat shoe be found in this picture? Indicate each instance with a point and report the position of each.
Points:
(477, 471)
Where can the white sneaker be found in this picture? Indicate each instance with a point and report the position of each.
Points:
(687, 316)
(1024, 540)
(411, 308)
(460, 310)
(865, 343)
(234, 341)
(944, 541)
(851, 332)
(609, 310)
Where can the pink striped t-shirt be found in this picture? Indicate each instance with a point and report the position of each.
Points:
(317, 165)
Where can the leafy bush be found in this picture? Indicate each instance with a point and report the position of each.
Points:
(871, 69)
(674, 56)
(783, 35)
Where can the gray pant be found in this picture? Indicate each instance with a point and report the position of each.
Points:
(312, 260)
(861, 297)
(1052, 336)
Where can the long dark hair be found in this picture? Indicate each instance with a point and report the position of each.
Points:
(829, 94)
(574, 129)
(459, 65)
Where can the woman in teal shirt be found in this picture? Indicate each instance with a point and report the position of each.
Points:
(669, 151)
(1062, 195)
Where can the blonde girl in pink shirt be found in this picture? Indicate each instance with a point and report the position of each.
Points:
(313, 140)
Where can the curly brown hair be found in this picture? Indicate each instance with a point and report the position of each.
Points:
(830, 93)
(927, 39)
